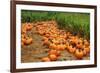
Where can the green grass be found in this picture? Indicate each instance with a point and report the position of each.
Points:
(76, 23)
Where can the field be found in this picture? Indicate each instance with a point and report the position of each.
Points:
(54, 36)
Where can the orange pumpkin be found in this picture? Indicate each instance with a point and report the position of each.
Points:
(28, 41)
(79, 45)
(68, 47)
(23, 40)
(68, 33)
(23, 30)
(23, 36)
(29, 26)
(75, 41)
(86, 43)
(72, 49)
(22, 44)
(79, 54)
(47, 35)
(53, 57)
(80, 40)
(61, 47)
(87, 49)
(45, 59)
(54, 52)
(41, 32)
(46, 42)
(45, 38)
(55, 41)
(84, 52)
(52, 46)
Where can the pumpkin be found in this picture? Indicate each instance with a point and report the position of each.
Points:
(45, 59)
(75, 41)
(47, 35)
(46, 42)
(84, 52)
(52, 46)
(41, 32)
(87, 49)
(79, 54)
(22, 44)
(23, 40)
(86, 43)
(54, 52)
(28, 41)
(23, 30)
(53, 57)
(72, 49)
(29, 26)
(79, 45)
(80, 40)
(45, 24)
(68, 47)
(61, 47)
(55, 41)
(23, 36)
(45, 38)
(68, 33)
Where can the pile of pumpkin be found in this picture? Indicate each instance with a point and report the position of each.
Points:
(58, 40)
(26, 40)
